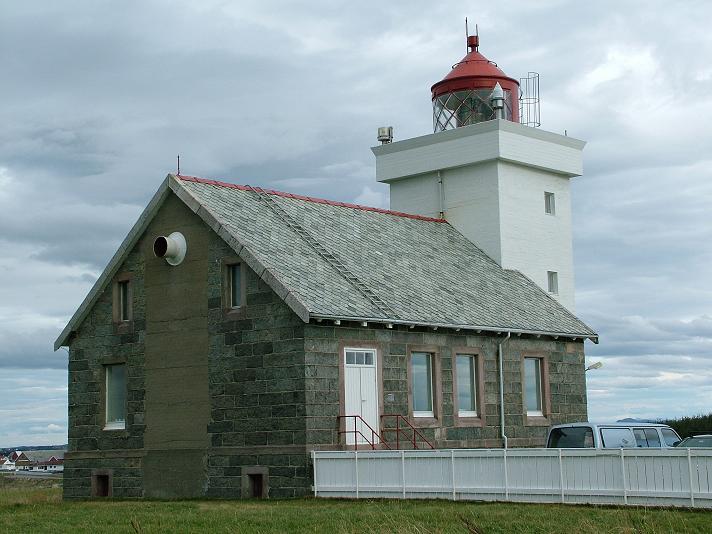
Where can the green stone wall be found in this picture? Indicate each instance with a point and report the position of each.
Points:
(323, 389)
(95, 344)
(210, 394)
(256, 387)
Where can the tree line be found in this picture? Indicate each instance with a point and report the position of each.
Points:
(691, 425)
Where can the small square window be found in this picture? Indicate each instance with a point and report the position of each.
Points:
(100, 485)
(553, 282)
(256, 483)
(115, 396)
(235, 285)
(550, 203)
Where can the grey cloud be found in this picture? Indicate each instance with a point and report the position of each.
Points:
(86, 278)
(99, 99)
(30, 349)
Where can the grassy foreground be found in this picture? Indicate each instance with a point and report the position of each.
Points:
(36, 506)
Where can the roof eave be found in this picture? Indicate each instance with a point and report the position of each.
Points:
(495, 329)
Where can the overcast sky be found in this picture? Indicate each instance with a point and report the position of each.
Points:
(98, 97)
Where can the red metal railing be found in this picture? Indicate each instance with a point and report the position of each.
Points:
(408, 427)
(375, 437)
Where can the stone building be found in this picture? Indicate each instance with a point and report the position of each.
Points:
(236, 327)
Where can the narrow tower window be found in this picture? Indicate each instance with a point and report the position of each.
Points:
(553, 279)
(550, 203)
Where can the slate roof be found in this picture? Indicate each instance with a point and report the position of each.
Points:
(423, 269)
(43, 455)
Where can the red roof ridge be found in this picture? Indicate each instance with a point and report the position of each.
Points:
(308, 199)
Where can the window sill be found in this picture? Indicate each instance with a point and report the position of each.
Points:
(113, 427)
(468, 420)
(424, 421)
(234, 314)
(124, 327)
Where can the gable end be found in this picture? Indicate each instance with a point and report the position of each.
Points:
(172, 184)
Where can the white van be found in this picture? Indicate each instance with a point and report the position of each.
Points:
(611, 436)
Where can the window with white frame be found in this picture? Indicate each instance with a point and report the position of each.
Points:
(466, 369)
(359, 357)
(553, 282)
(115, 396)
(533, 386)
(421, 368)
(550, 203)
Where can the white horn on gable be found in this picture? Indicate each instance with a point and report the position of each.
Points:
(172, 248)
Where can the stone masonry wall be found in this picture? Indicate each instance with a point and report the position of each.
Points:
(256, 370)
(324, 345)
(97, 343)
(255, 385)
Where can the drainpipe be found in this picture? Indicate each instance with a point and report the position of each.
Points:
(501, 389)
(441, 185)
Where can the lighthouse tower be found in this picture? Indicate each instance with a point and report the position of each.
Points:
(502, 184)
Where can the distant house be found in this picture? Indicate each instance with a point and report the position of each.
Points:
(6, 464)
(49, 460)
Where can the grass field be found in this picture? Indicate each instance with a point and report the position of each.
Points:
(31, 506)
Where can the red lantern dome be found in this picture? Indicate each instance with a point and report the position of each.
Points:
(465, 95)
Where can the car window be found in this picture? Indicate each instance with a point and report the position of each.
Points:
(669, 436)
(571, 438)
(640, 439)
(653, 437)
(646, 437)
(617, 438)
(696, 442)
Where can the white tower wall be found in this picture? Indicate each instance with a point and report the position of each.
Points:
(494, 176)
(532, 241)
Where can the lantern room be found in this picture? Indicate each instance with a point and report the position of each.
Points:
(475, 90)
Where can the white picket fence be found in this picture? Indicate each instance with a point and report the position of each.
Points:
(655, 477)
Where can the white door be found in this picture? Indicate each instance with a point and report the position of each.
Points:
(361, 395)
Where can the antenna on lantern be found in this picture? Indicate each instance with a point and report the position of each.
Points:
(467, 34)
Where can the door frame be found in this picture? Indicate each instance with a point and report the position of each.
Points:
(377, 347)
